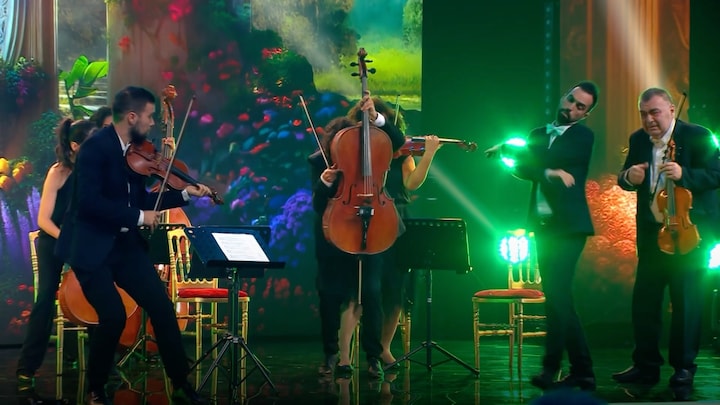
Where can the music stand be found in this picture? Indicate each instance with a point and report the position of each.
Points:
(231, 252)
(159, 253)
(433, 244)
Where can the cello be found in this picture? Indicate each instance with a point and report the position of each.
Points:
(678, 234)
(361, 218)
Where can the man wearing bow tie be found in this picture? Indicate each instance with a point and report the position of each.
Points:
(556, 160)
(697, 168)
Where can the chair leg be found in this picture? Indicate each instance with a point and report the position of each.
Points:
(521, 324)
(408, 332)
(476, 334)
(198, 331)
(214, 330)
(244, 309)
(60, 342)
(511, 337)
(82, 334)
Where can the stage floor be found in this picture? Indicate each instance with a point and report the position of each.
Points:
(294, 364)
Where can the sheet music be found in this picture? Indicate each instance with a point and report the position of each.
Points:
(242, 247)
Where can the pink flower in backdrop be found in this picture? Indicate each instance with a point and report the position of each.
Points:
(179, 9)
(224, 130)
(206, 119)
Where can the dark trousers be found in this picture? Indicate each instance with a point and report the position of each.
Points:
(41, 318)
(557, 258)
(683, 275)
(129, 266)
(337, 285)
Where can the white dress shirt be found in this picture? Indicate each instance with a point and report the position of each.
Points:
(555, 131)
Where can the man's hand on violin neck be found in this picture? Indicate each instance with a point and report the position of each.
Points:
(200, 190)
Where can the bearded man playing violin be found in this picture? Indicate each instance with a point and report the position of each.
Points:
(695, 166)
(100, 239)
(557, 161)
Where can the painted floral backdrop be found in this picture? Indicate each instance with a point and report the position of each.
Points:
(246, 134)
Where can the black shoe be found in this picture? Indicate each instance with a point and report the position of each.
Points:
(328, 365)
(97, 398)
(344, 371)
(572, 381)
(682, 378)
(375, 369)
(682, 393)
(544, 380)
(637, 375)
(186, 394)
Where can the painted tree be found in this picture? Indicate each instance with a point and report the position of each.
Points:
(316, 29)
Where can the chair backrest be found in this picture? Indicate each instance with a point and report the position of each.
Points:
(524, 273)
(34, 260)
(180, 260)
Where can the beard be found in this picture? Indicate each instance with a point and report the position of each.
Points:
(563, 117)
(136, 136)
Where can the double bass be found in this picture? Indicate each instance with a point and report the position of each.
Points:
(361, 218)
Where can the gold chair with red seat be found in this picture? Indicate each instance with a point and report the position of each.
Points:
(524, 288)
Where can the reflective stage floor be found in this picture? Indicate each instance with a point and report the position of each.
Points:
(293, 365)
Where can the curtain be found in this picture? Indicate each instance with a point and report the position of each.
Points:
(12, 28)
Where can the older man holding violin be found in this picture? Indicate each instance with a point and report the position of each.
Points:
(101, 241)
(667, 154)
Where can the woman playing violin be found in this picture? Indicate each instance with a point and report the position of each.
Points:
(337, 271)
(56, 193)
(405, 176)
(100, 239)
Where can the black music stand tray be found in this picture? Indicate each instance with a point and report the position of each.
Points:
(433, 244)
(159, 253)
(216, 264)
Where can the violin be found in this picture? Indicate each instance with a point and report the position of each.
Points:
(678, 234)
(144, 159)
(415, 145)
(361, 218)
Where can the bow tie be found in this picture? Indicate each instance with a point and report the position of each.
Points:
(553, 130)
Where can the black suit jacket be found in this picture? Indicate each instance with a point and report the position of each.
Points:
(322, 193)
(570, 152)
(108, 196)
(697, 154)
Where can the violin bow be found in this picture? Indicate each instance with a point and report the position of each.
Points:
(397, 109)
(172, 156)
(312, 126)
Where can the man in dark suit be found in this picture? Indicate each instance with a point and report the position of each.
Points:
(695, 167)
(556, 160)
(101, 241)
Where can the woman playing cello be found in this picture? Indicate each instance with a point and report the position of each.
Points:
(337, 270)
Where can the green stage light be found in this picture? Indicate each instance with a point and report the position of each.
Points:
(715, 140)
(511, 149)
(515, 247)
(714, 262)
